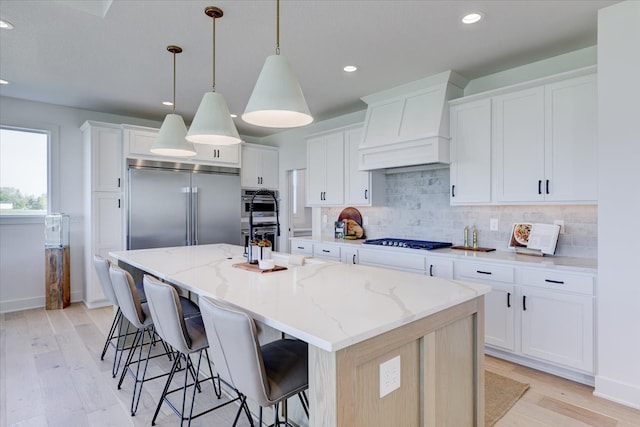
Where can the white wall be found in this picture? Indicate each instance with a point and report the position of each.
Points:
(22, 244)
(618, 376)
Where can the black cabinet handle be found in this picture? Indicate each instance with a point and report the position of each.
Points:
(300, 247)
(118, 182)
(118, 203)
(508, 299)
(539, 186)
(431, 270)
(547, 186)
(559, 282)
(524, 302)
(483, 272)
(366, 196)
(453, 191)
(326, 251)
(354, 258)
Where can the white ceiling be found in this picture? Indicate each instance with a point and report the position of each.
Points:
(71, 53)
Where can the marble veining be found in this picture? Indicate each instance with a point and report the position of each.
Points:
(330, 305)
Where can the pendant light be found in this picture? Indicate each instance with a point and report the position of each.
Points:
(212, 123)
(277, 100)
(171, 138)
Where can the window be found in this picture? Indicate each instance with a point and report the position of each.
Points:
(23, 171)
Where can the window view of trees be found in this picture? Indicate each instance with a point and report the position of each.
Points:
(23, 171)
(12, 198)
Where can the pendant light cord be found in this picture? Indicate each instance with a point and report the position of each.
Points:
(174, 82)
(214, 54)
(277, 27)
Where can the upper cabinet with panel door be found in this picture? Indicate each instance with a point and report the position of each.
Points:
(104, 143)
(259, 166)
(138, 141)
(541, 139)
(545, 143)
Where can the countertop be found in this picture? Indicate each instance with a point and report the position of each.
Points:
(585, 265)
(330, 305)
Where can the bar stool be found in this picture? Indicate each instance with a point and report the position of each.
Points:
(268, 374)
(138, 315)
(187, 336)
(118, 330)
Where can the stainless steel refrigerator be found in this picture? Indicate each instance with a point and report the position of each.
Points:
(175, 204)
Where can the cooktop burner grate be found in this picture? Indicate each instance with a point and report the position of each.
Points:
(406, 243)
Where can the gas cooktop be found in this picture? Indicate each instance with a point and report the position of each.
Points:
(406, 243)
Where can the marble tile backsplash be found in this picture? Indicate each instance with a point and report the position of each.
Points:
(417, 207)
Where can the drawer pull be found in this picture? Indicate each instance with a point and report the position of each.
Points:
(559, 282)
(431, 270)
(300, 247)
(483, 272)
(524, 302)
(508, 299)
(326, 251)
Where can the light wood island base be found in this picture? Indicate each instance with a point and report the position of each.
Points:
(442, 375)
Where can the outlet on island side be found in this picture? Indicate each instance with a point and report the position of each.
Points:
(389, 376)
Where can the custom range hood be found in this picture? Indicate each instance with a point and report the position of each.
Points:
(408, 125)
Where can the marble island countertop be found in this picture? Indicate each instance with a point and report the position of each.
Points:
(587, 265)
(328, 304)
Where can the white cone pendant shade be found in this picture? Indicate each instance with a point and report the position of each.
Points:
(171, 138)
(277, 100)
(212, 123)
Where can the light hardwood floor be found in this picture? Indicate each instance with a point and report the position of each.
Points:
(51, 375)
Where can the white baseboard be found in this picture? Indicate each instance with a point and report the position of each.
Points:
(617, 391)
(21, 304)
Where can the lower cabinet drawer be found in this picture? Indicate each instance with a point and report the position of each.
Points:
(301, 248)
(408, 262)
(558, 280)
(326, 251)
(482, 271)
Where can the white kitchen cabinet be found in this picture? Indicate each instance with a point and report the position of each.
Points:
(259, 166)
(349, 255)
(301, 247)
(396, 260)
(138, 141)
(325, 170)
(571, 140)
(104, 142)
(104, 209)
(439, 267)
(328, 251)
(518, 142)
(470, 172)
(558, 327)
(499, 321)
(544, 141)
(361, 188)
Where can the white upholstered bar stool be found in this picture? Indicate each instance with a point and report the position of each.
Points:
(267, 374)
(119, 331)
(187, 336)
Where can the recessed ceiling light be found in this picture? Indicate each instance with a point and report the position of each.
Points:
(3, 82)
(233, 115)
(6, 25)
(471, 18)
(167, 103)
(350, 68)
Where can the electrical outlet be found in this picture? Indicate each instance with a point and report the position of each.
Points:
(389, 376)
(324, 219)
(493, 224)
(560, 222)
(365, 220)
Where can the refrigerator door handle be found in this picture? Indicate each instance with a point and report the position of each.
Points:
(187, 192)
(194, 211)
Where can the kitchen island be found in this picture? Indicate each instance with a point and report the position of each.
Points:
(354, 318)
